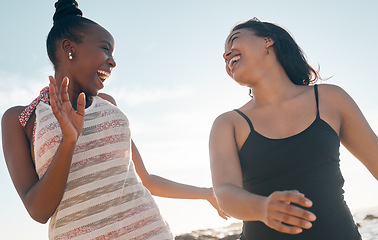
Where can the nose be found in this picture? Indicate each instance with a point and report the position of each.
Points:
(112, 62)
(226, 54)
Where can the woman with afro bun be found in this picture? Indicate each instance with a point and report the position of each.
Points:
(70, 153)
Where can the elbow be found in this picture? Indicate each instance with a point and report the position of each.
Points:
(232, 200)
(42, 221)
(222, 197)
(148, 183)
(155, 185)
(39, 215)
(150, 188)
(225, 205)
(40, 208)
(39, 218)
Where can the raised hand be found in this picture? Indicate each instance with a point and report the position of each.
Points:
(281, 215)
(70, 121)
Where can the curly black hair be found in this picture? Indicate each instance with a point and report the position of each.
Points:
(69, 23)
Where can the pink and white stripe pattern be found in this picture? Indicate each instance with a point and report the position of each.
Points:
(104, 198)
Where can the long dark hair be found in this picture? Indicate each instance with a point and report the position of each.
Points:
(69, 23)
(288, 53)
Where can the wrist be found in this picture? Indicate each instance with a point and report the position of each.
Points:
(208, 193)
(260, 207)
(68, 142)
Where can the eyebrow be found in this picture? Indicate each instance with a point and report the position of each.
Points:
(229, 39)
(108, 43)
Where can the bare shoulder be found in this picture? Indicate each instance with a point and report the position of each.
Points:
(10, 124)
(11, 115)
(108, 98)
(225, 119)
(13, 133)
(332, 92)
(337, 98)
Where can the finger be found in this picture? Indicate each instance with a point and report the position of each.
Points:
(297, 192)
(52, 91)
(277, 225)
(286, 197)
(297, 212)
(64, 90)
(292, 220)
(53, 82)
(81, 104)
(59, 90)
(292, 197)
(53, 101)
(223, 215)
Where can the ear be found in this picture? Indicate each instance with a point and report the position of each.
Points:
(67, 46)
(268, 42)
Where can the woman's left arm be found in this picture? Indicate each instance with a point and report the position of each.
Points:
(356, 134)
(163, 187)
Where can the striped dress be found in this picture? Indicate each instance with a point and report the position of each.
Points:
(104, 198)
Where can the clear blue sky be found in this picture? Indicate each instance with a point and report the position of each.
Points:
(171, 83)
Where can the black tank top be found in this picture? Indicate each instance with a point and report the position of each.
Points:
(307, 162)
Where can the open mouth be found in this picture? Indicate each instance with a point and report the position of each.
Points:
(233, 61)
(103, 75)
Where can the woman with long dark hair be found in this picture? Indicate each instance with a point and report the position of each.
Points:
(275, 160)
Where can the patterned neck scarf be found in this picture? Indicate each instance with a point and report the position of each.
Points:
(25, 115)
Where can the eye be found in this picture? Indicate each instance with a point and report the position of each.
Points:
(106, 49)
(233, 39)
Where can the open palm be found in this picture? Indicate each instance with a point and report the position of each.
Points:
(70, 121)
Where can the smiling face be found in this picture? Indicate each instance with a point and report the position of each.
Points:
(244, 55)
(92, 61)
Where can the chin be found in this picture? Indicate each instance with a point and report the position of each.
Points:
(236, 77)
(241, 81)
(92, 92)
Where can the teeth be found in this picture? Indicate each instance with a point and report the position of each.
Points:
(233, 61)
(104, 73)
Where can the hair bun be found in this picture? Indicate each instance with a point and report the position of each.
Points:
(64, 8)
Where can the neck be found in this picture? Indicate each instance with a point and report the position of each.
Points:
(73, 90)
(272, 87)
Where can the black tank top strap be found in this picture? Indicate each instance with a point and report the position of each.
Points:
(245, 117)
(317, 100)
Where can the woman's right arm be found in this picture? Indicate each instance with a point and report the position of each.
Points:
(241, 204)
(227, 176)
(40, 196)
